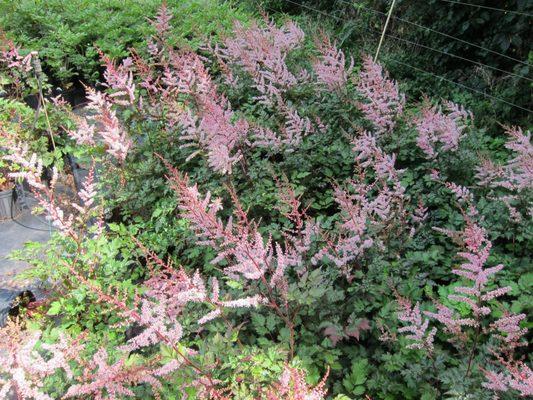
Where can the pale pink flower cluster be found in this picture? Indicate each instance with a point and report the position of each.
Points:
(162, 21)
(291, 133)
(171, 290)
(477, 295)
(520, 168)
(14, 65)
(517, 173)
(330, 68)
(245, 302)
(420, 213)
(31, 167)
(24, 368)
(353, 238)
(296, 127)
(516, 376)
(437, 127)
(119, 78)
(238, 242)
(207, 121)
(105, 380)
(85, 134)
(463, 194)
(515, 176)
(31, 170)
(365, 208)
(293, 386)
(417, 326)
(105, 123)
(383, 101)
(509, 330)
(222, 137)
(261, 52)
(11, 58)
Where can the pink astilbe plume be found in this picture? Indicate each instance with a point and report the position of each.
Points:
(520, 168)
(437, 127)
(462, 194)
(477, 295)
(238, 242)
(104, 380)
(417, 326)
(509, 331)
(116, 140)
(119, 78)
(353, 239)
(517, 173)
(515, 376)
(261, 52)
(207, 121)
(56, 207)
(291, 133)
(383, 100)
(330, 67)
(172, 289)
(88, 193)
(16, 66)
(293, 386)
(85, 133)
(418, 217)
(162, 21)
(296, 127)
(366, 209)
(11, 58)
(222, 136)
(24, 368)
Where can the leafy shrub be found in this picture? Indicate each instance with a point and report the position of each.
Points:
(69, 35)
(279, 209)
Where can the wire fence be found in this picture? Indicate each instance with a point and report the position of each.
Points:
(505, 11)
(440, 77)
(436, 32)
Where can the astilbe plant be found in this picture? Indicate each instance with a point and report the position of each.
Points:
(293, 386)
(368, 210)
(330, 67)
(437, 127)
(249, 255)
(24, 367)
(512, 181)
(175, 89)
(382, 100)
(478, 294)
(262, 53)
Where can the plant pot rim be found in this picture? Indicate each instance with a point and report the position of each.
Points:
(8, 189)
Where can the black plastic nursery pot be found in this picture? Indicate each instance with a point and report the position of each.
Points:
(8, 206)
